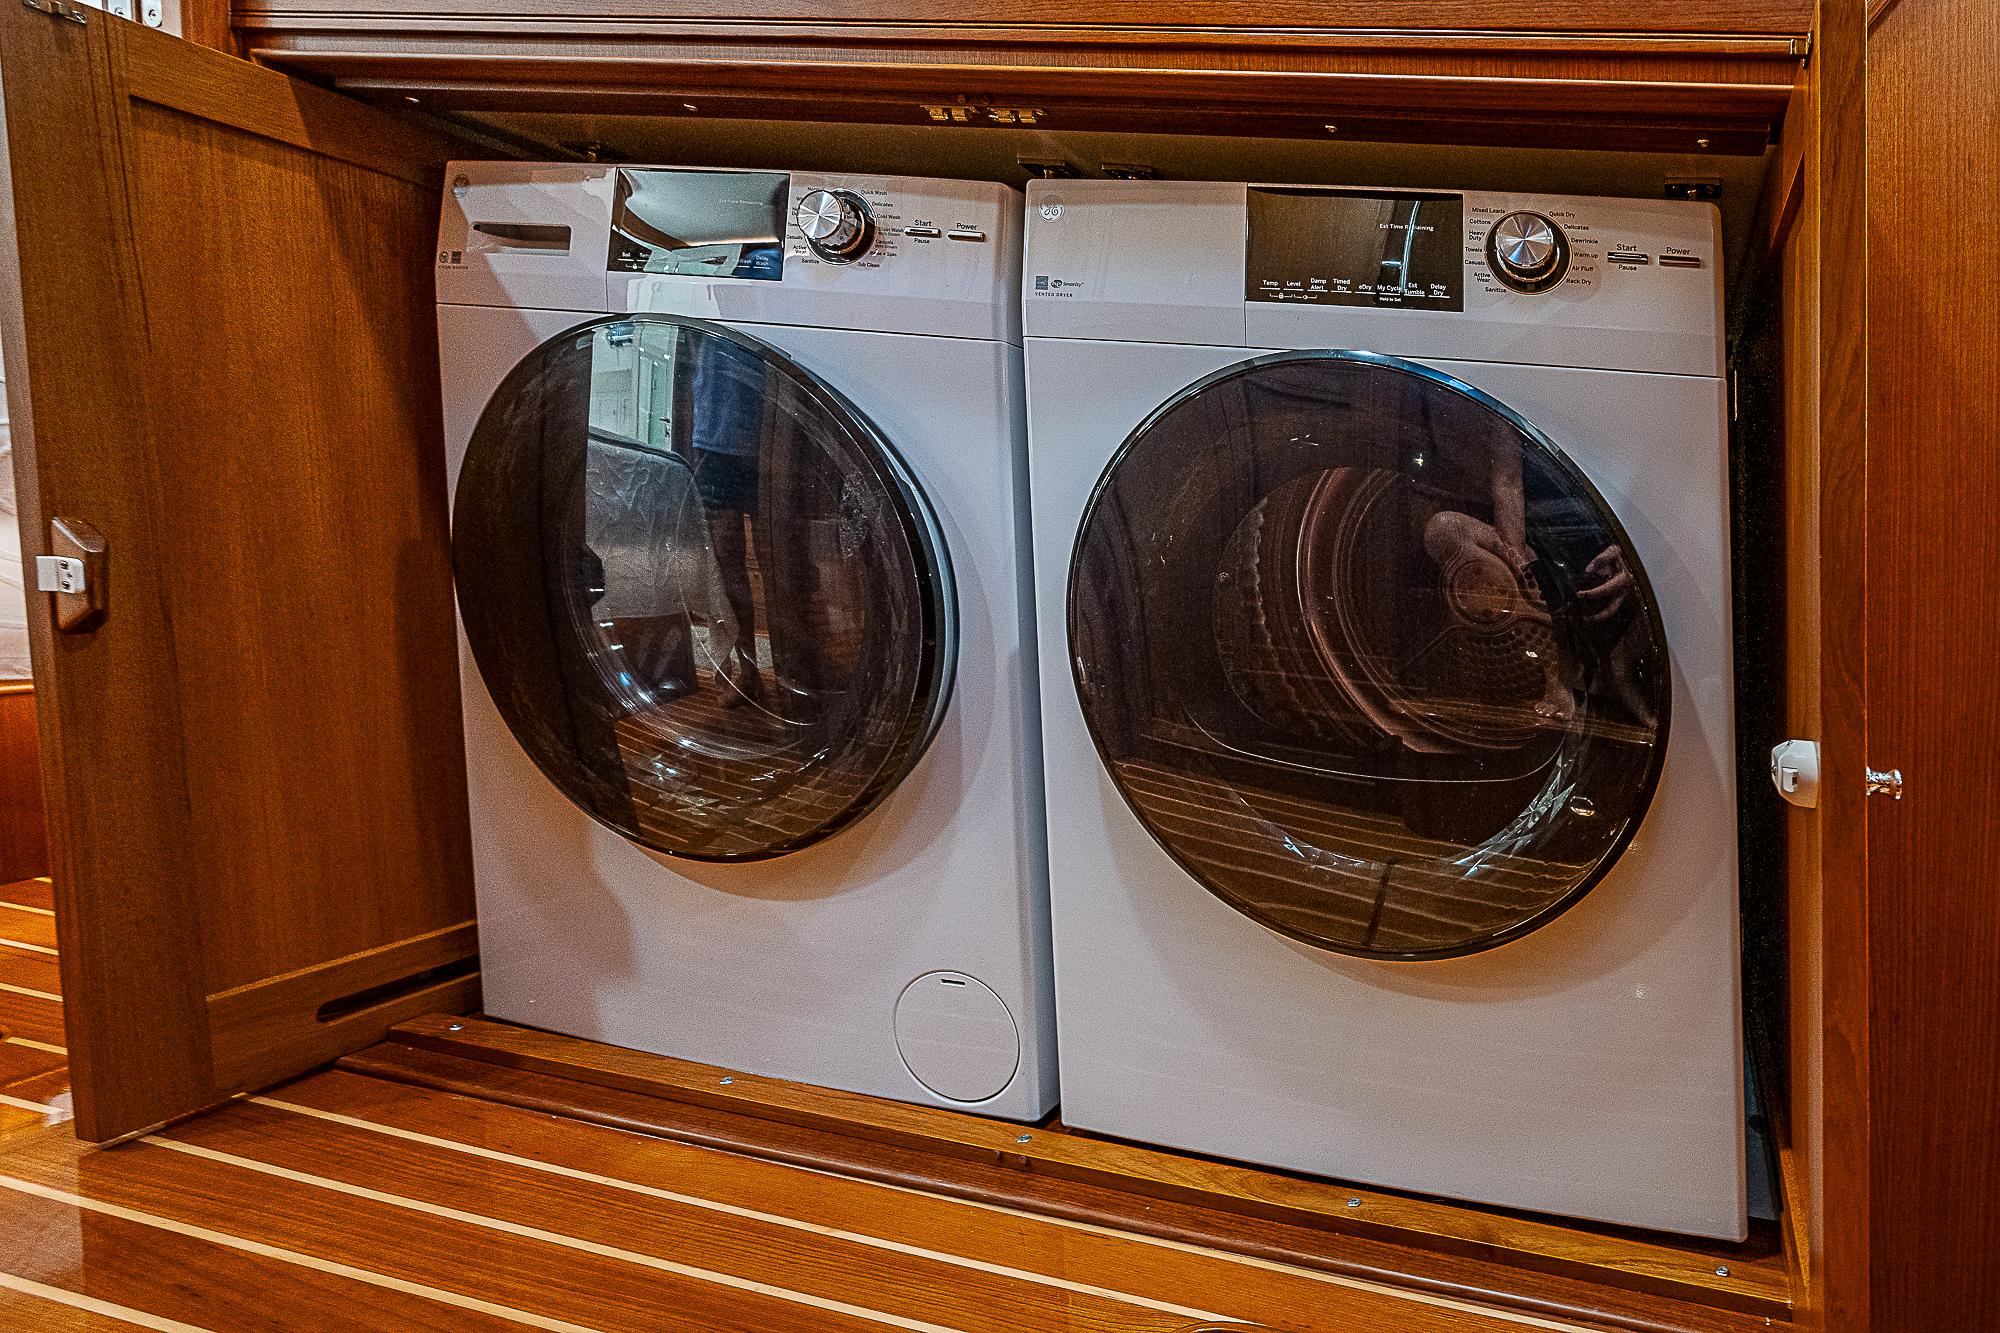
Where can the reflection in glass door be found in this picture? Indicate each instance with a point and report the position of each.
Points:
(1368, 655)
(708, 598)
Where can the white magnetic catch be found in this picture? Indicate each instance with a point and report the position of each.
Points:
(1795, 771)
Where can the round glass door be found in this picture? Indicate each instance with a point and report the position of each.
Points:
(1367, 655)
(707, 597)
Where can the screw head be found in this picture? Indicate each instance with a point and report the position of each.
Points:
(1722, 1270)
(728, 1079)
(1025, 1138)
(1354, 1203)
(454, 1027)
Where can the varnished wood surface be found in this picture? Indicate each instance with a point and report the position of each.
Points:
(24, 843)
(248, 409)
(1684, 104)
(34, 1071)
(1710, 78)
(353, 1202)
(1933, 596)
(1823, 274)
(37, 895)
(82, 431)
(1560, 16)
(1101, 1179)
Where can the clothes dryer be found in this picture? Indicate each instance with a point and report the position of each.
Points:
(1384, 594)
(739, 533)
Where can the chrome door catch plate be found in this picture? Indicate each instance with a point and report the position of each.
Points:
(59, 573)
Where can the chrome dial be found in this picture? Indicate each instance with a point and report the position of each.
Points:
(1527, 252)
(836, 224)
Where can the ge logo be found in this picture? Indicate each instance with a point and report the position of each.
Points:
(1052, 210)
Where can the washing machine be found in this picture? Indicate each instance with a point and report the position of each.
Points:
(739, 533)
(1384, 596)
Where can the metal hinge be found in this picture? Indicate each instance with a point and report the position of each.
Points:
(1800, 48)
(1884, 782)
(58, 9)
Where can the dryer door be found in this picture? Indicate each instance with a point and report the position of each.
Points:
(706, 595)
(1368, 655)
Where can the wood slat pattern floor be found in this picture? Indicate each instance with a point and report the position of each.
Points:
(348, 1201)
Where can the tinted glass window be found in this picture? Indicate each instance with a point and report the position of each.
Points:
(708, 599)
(1367, 655)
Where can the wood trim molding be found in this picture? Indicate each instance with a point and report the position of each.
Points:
(266, 1030)
(1749, 1279)
(1830, 1111)
(1763, 46)
(1615, 87)
(1727, 17)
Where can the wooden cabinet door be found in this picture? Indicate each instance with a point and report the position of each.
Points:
(216, 295)
(1933, 688)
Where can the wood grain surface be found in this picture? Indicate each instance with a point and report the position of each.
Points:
(256, 767)
(1711, 78)
(994, 1159)
(1933, 707)
(354, 1202)
(24, 842)
(1561, 16)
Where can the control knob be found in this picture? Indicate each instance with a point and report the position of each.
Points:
(1527, 252)
(836, 224)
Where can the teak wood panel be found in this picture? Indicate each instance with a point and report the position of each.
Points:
(1556, 16)
(1812, 218)
(220, 295)
(1933, 586)
(1131, 1183)
(1729, 17)
(371, 1204)
(24, 843)
(129, 931)
(1708, 79)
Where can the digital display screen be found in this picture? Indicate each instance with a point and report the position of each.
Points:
(1357, 248)
(716, 224)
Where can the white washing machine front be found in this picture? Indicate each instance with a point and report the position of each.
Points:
(749, 702)
(1387, 693)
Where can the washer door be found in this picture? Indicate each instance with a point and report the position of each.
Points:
(706, 595)
(1368, 655)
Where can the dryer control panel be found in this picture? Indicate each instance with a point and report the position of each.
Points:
(835, 250)
(1603, 283)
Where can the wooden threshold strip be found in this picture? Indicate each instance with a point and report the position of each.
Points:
(1631, 1280)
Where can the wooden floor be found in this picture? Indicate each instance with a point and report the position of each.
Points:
(349, 1201)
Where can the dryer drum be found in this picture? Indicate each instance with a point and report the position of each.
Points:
(1368, 655)
(708, 598)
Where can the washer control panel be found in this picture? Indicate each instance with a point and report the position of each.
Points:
(837, 224)
(867, 223)
(830, 249)
(1574, 245)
